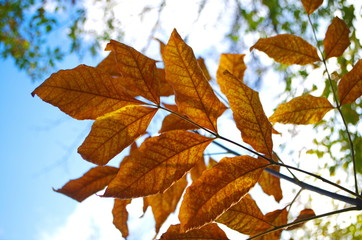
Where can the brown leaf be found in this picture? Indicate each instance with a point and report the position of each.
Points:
(84, 92)
(248, 113)
(165, 88)
(108, 65)
(137, 70)
(203, 67)
(288, 49)
(305, 213)
(233, 63)
(311, 5)
(160, 162)
(210, 231)
(276, 218)
(245, 217)
(350, 86)
(194, 95)
(91, 182)
(336, 40)
(174, 122)
(305, 109)
(114, 132)
(163, 204)
(271, 184)
(218, 189)
(198, 169)
(120, 216)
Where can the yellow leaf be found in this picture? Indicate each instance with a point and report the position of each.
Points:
(311, 5)
(271, 184)
(288, 49)
(350, 86)
(108, 65)
(84, 92)
(120, 215)
(218, 189)
(336, 39)
(210, 231)
(138, 70)
(163, 204)
(160, 162)
(248, 113)
(305, 109)
(194, 95)
(233, 63)
(114, 132)
(245, 217)
(276, 218)
(305, 213)
(203, 67)
(90, 183)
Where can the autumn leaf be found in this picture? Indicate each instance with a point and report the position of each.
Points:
(160, 162)
(248, 113)
(114, 132)
(138, 71)
(336, 39)
(84, 92)
(163, 204)
(203, 67)
(311, 5)
(91, 182)
(174, 122)
(120, 215)
(245, 217)
(233, 63)
(305, 213)
(218, 189)
(350, 86)
(108, 65)
(194, 95)
(276, 218)
(305, 109)
(271, 184)
(165, 87)
(288, 49)
(210, 231)
(198, 169)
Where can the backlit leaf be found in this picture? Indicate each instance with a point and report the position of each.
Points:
(276, 218)
(311, 5)
(174, 122)
(165, 87)
(160, 162)
(194, 95)
(137, 70)
(245, 217)
(198, 169)
(288, 49)
(248, 113)
(203, 67)
(120, 215)
(114, 132)
(305, 109)
(211, 232)
(233, 63)
(163, 204)
(90, 183)
(271, 184)
(350, 86)
(84, 92)
(305, 213)
(336, 39)
(108, 65)
(218, 189)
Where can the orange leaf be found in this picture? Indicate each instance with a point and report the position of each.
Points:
(194, 95)
(198, 169)
(248, 113)
(305, 213)
(120, 216)
(245, 217)
(210, 231)
(84, 92)
(350, 86)
(114, 132)
(276, 218)
(90, 183)
(108, 65)
(165, 87)
(305, 109)
(164, 204)
(336, 39)
(203, 67)
(288, 49)
(160, 162)
(311, 5)
(271, 184)
(233, 63)
(174, 122)
(137, 70)
(218, 189)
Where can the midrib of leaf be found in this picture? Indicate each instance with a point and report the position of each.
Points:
(295, 51)
(248, 214)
